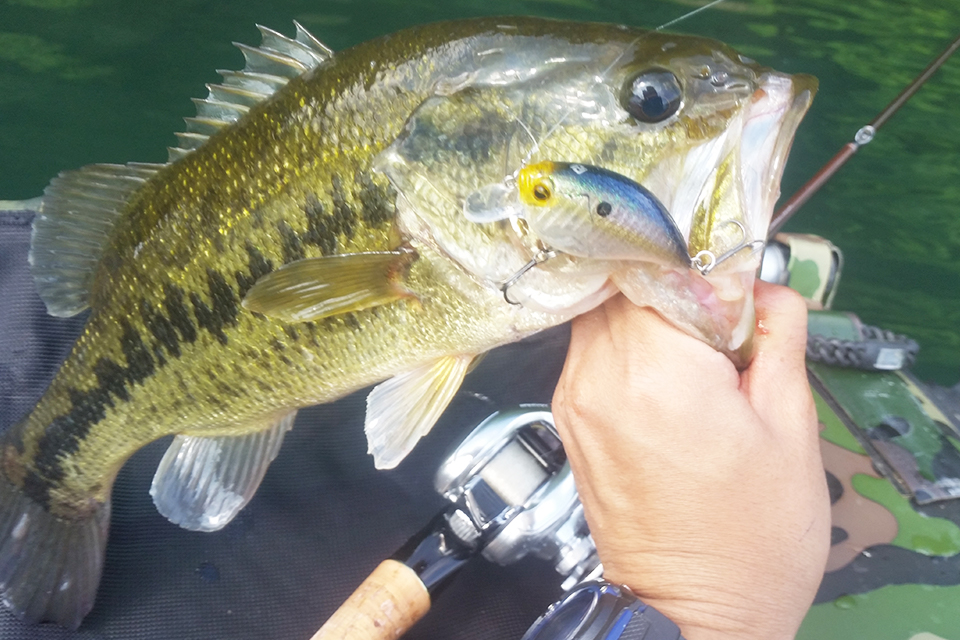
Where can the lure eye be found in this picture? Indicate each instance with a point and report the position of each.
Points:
(652, 95)
(604, 209)
(541, 192)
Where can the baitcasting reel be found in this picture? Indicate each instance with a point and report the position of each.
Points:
(511, 494)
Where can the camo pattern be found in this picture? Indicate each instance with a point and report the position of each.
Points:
(891, 449)
(894, 567)
(814, 267)
(918, 452)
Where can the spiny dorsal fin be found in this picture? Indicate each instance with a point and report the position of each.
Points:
(276, 61)
(72, 226)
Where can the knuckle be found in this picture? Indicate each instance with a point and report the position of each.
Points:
(793, 303)
(574, 403)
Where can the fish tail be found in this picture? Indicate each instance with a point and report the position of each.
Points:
(49, 566)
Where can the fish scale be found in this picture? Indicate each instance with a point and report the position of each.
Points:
(311, 244)
(185, 186)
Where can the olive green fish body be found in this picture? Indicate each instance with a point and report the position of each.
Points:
(169, 348)
(314, 241)
(243, 370)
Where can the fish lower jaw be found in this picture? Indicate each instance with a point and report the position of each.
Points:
(562, 308)
(769, 127)
(736, 175)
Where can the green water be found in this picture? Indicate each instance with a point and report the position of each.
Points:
(85, 81)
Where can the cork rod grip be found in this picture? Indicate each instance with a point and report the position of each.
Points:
(383, 607)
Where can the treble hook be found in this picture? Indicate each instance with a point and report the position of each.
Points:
(542, 256)
(706, 261)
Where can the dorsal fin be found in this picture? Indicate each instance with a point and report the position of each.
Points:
(74, 223)
(276, 61)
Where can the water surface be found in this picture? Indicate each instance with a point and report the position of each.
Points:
(85, 81)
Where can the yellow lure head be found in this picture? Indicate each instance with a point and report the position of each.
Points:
(590, 212)
(535, 185)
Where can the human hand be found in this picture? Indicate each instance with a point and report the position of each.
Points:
(703, 487)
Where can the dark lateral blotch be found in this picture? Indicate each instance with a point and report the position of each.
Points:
(223, 309)
(178, 313)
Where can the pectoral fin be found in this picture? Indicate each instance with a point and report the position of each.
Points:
(315, 288)
(403, 409)
(203, 482)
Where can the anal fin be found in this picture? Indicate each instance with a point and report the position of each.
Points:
(203, 482)
(315, 288)
(403, 409)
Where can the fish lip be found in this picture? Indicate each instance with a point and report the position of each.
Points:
(770, 124)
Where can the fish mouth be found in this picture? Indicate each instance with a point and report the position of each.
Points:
(721, 194)
(735, 176)
(771, 121)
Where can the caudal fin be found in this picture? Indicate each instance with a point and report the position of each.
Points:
(49, 567)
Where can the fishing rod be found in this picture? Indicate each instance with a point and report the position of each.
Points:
(862, 137)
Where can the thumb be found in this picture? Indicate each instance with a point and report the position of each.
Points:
(778, 372)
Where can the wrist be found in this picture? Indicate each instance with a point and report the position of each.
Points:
(715, 596)
(600, 610)
(707, 620)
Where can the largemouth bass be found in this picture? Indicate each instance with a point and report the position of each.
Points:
(312, 235)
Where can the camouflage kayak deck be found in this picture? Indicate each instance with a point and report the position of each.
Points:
(894, 569)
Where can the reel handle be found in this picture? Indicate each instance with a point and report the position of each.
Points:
(390, 601)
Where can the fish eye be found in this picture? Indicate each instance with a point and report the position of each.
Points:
(542, 192)
(652, 95)
(604, 209)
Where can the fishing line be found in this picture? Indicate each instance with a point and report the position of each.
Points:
(604, 76)
(509, 180)
(688, 15)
